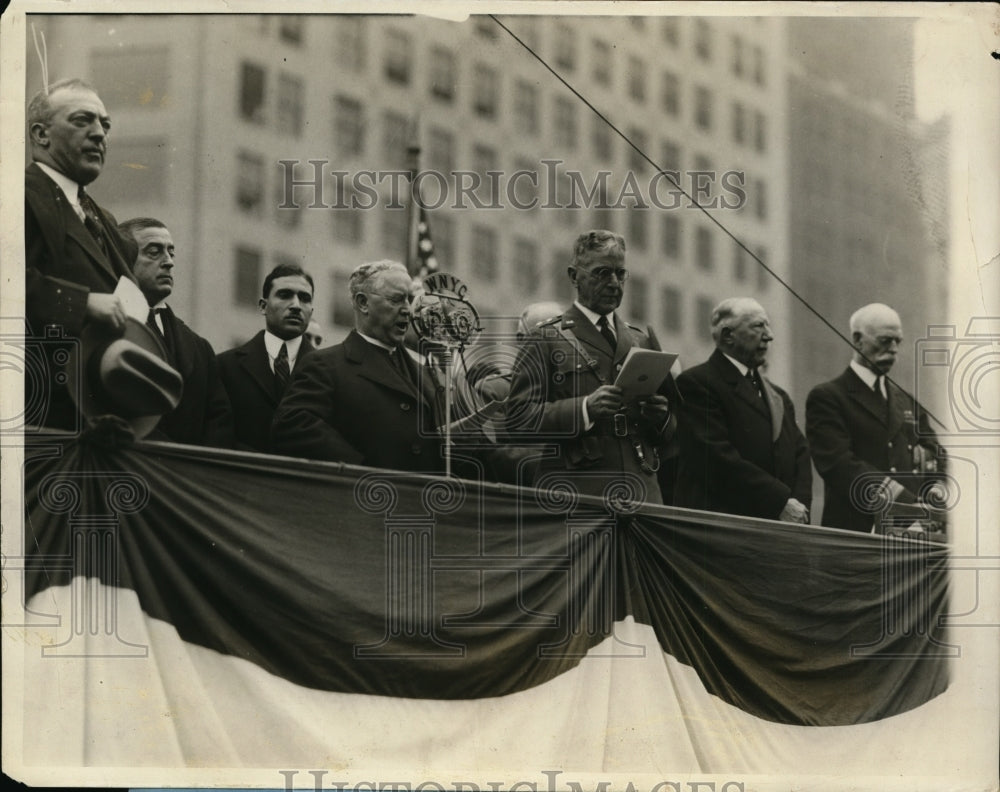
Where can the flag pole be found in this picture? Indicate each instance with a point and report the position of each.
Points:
(413, 217)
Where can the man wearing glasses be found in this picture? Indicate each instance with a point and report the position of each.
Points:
(365, 401)
(562, 392)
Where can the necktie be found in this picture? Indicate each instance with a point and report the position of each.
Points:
(281, 371)
(397, 358)
(879, 396)
(90, 218)
(161, 334)
(605, 328)
(754, 378)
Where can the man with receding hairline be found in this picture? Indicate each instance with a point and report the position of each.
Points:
(74, 254)
(741, 450)
(861, 424)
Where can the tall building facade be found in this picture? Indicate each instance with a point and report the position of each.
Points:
(867, 187)
(222, 123)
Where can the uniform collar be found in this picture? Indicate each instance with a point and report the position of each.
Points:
(865, 374)
(593, 316)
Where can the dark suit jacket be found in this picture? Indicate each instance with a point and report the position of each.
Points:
(247, 377)
(204, 415)
(63, 264)
(851, 435)
(739, 454)
(347, 403)
(550, 382)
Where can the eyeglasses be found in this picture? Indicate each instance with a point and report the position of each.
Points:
(605, 274)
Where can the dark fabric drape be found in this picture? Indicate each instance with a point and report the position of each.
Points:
(372, 581)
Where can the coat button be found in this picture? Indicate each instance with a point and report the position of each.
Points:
(892, 470)
(890, 444)
(404, 405)
(415, 448)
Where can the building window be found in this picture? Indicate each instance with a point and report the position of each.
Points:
(703, 317)
(442, 74)
(253, 84)
(637, 77)
(763, 277)
(670, 158)
(565, 122)
(395, 139)
(348, 222)
(672, 314)
(525, 266)
(601, 62)
(635, 160)
(670, 242)
(441, 151)
(525, 187)
(291, 29)
(739, 122)
(398, 57)
(349, 126)
(739, 57)
(526, 106)
(760, 199)
(484, 160)
(349, 48)
(485, 91)
(702, 39)
(484, 253)
(702, 107)
(249, 182)
(246, 287)
(602, 138)
(638, 234)
(671, 95)
(740, 264)
(485, 26)
(636, 291)
(670, 28)
(136, 78)
(142, 172)
(703, 249)
(759, 76)
(341, 309)
(291, 97)
(760, 132)
(290, 217)
(443, 234)
(565, 47)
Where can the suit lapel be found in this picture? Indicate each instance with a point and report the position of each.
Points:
(375, 366)
(740, 384)
(777, 405)
(624, 338)
(254, 361)
(897, 401)
(865, 396)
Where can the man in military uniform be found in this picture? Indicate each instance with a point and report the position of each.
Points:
(562, 389)
(867, 435)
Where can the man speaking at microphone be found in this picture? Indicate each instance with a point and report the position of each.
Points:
(365, 401)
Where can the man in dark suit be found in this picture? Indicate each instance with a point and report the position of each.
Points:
(257, 373)
(741, 450)
(864, 428)
(562, 388)
(74, 254)
(366, 401)
(203, 416)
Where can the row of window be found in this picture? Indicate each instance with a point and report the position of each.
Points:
(748, 125)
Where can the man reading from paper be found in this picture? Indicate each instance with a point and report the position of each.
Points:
(563, 391)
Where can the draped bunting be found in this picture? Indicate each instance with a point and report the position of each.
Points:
(375, 586)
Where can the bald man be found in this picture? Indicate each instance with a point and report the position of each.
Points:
(741, 451)
(862, 426)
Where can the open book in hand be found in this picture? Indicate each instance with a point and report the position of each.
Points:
(643, 371)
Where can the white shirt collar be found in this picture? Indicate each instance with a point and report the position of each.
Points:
(866, 374)
(69, 187)
(376, 342)
(273, 345)
(593, 317)
(743, 367)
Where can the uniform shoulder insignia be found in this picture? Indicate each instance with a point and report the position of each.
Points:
(549, 322)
